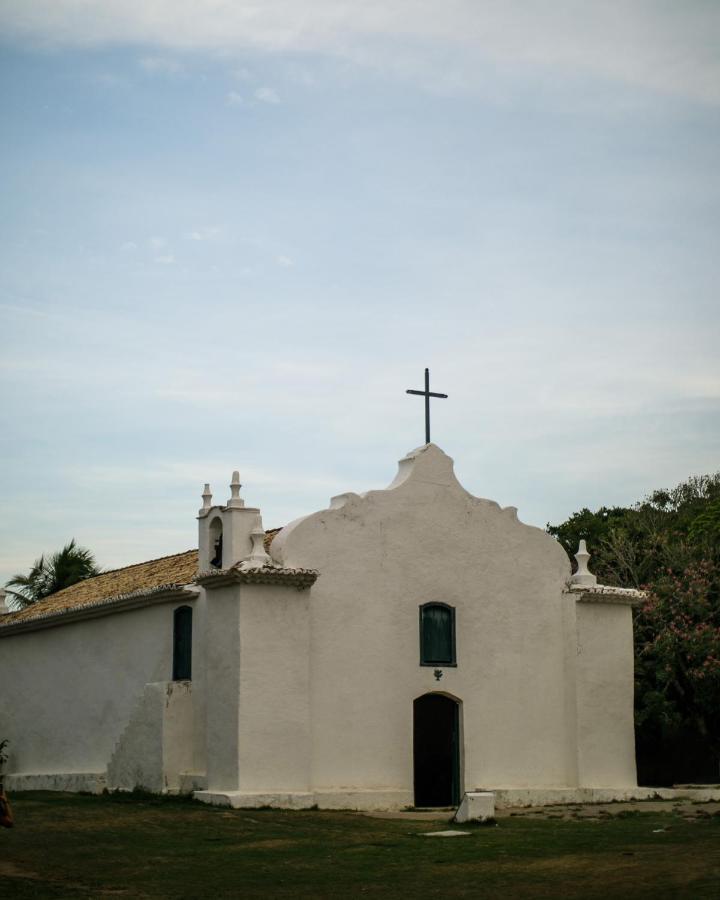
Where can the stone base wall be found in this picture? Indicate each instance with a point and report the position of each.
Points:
(96, 783)
(402, 800)
(72, 782)
(360, 800)
(505, 797)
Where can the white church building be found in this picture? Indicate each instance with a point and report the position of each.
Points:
(397, 649)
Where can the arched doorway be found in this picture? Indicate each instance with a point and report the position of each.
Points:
(436, 750)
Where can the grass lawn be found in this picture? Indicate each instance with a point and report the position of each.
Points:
(66, 845)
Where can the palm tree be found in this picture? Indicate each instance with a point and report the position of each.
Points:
(49, 575)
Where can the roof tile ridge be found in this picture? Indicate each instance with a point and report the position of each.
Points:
(115, 571)
(145, 562)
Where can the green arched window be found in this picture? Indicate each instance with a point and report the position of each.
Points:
(182, 644)
(437, 635)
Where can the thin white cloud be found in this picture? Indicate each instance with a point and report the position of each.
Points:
(107, 79)
(160, 65)
(233, 98)
(25, 311)
(166, 259)
(664, 47)
(242, 74)
(260, 95)
(266, 95)
(284, 262)
(190, 472)
(207, 233)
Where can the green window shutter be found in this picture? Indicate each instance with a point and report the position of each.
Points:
(437, 634)
(182, 644)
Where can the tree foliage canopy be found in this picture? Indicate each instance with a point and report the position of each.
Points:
(50, 574)
(668, 544)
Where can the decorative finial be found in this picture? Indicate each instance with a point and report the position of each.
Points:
(258, 555)
(207, 502)
(235, 501)
(583, 574)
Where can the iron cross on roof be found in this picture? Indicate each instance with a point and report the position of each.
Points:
(427, 394)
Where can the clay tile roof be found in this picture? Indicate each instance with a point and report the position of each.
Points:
(180, 568)
(269, 537)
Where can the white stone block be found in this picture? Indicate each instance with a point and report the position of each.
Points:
(445, 833)
(477, 806)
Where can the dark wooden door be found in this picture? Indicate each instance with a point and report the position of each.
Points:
(436, 750)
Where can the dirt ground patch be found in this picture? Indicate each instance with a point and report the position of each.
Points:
(10, 870)
(269, 844)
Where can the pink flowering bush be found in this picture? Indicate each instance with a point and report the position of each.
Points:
(677, 645)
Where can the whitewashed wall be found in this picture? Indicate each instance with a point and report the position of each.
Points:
(67, 693)
(275, 653)
(605, 713)
(383, 555)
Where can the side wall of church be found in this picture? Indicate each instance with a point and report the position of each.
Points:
(67, 693)
(605, 724)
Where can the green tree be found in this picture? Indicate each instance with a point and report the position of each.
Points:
(704, 530)
(668, 544)
(51, 574)
(633, 546)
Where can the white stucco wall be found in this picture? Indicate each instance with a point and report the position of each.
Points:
(222, 664)
(606, 736)
(156, 746)
(258, 659)
(274, 688)
(381, 556)
(67, 693)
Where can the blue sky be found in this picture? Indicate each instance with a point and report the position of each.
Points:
(233, 235)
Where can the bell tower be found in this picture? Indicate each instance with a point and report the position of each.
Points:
(226, 534)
